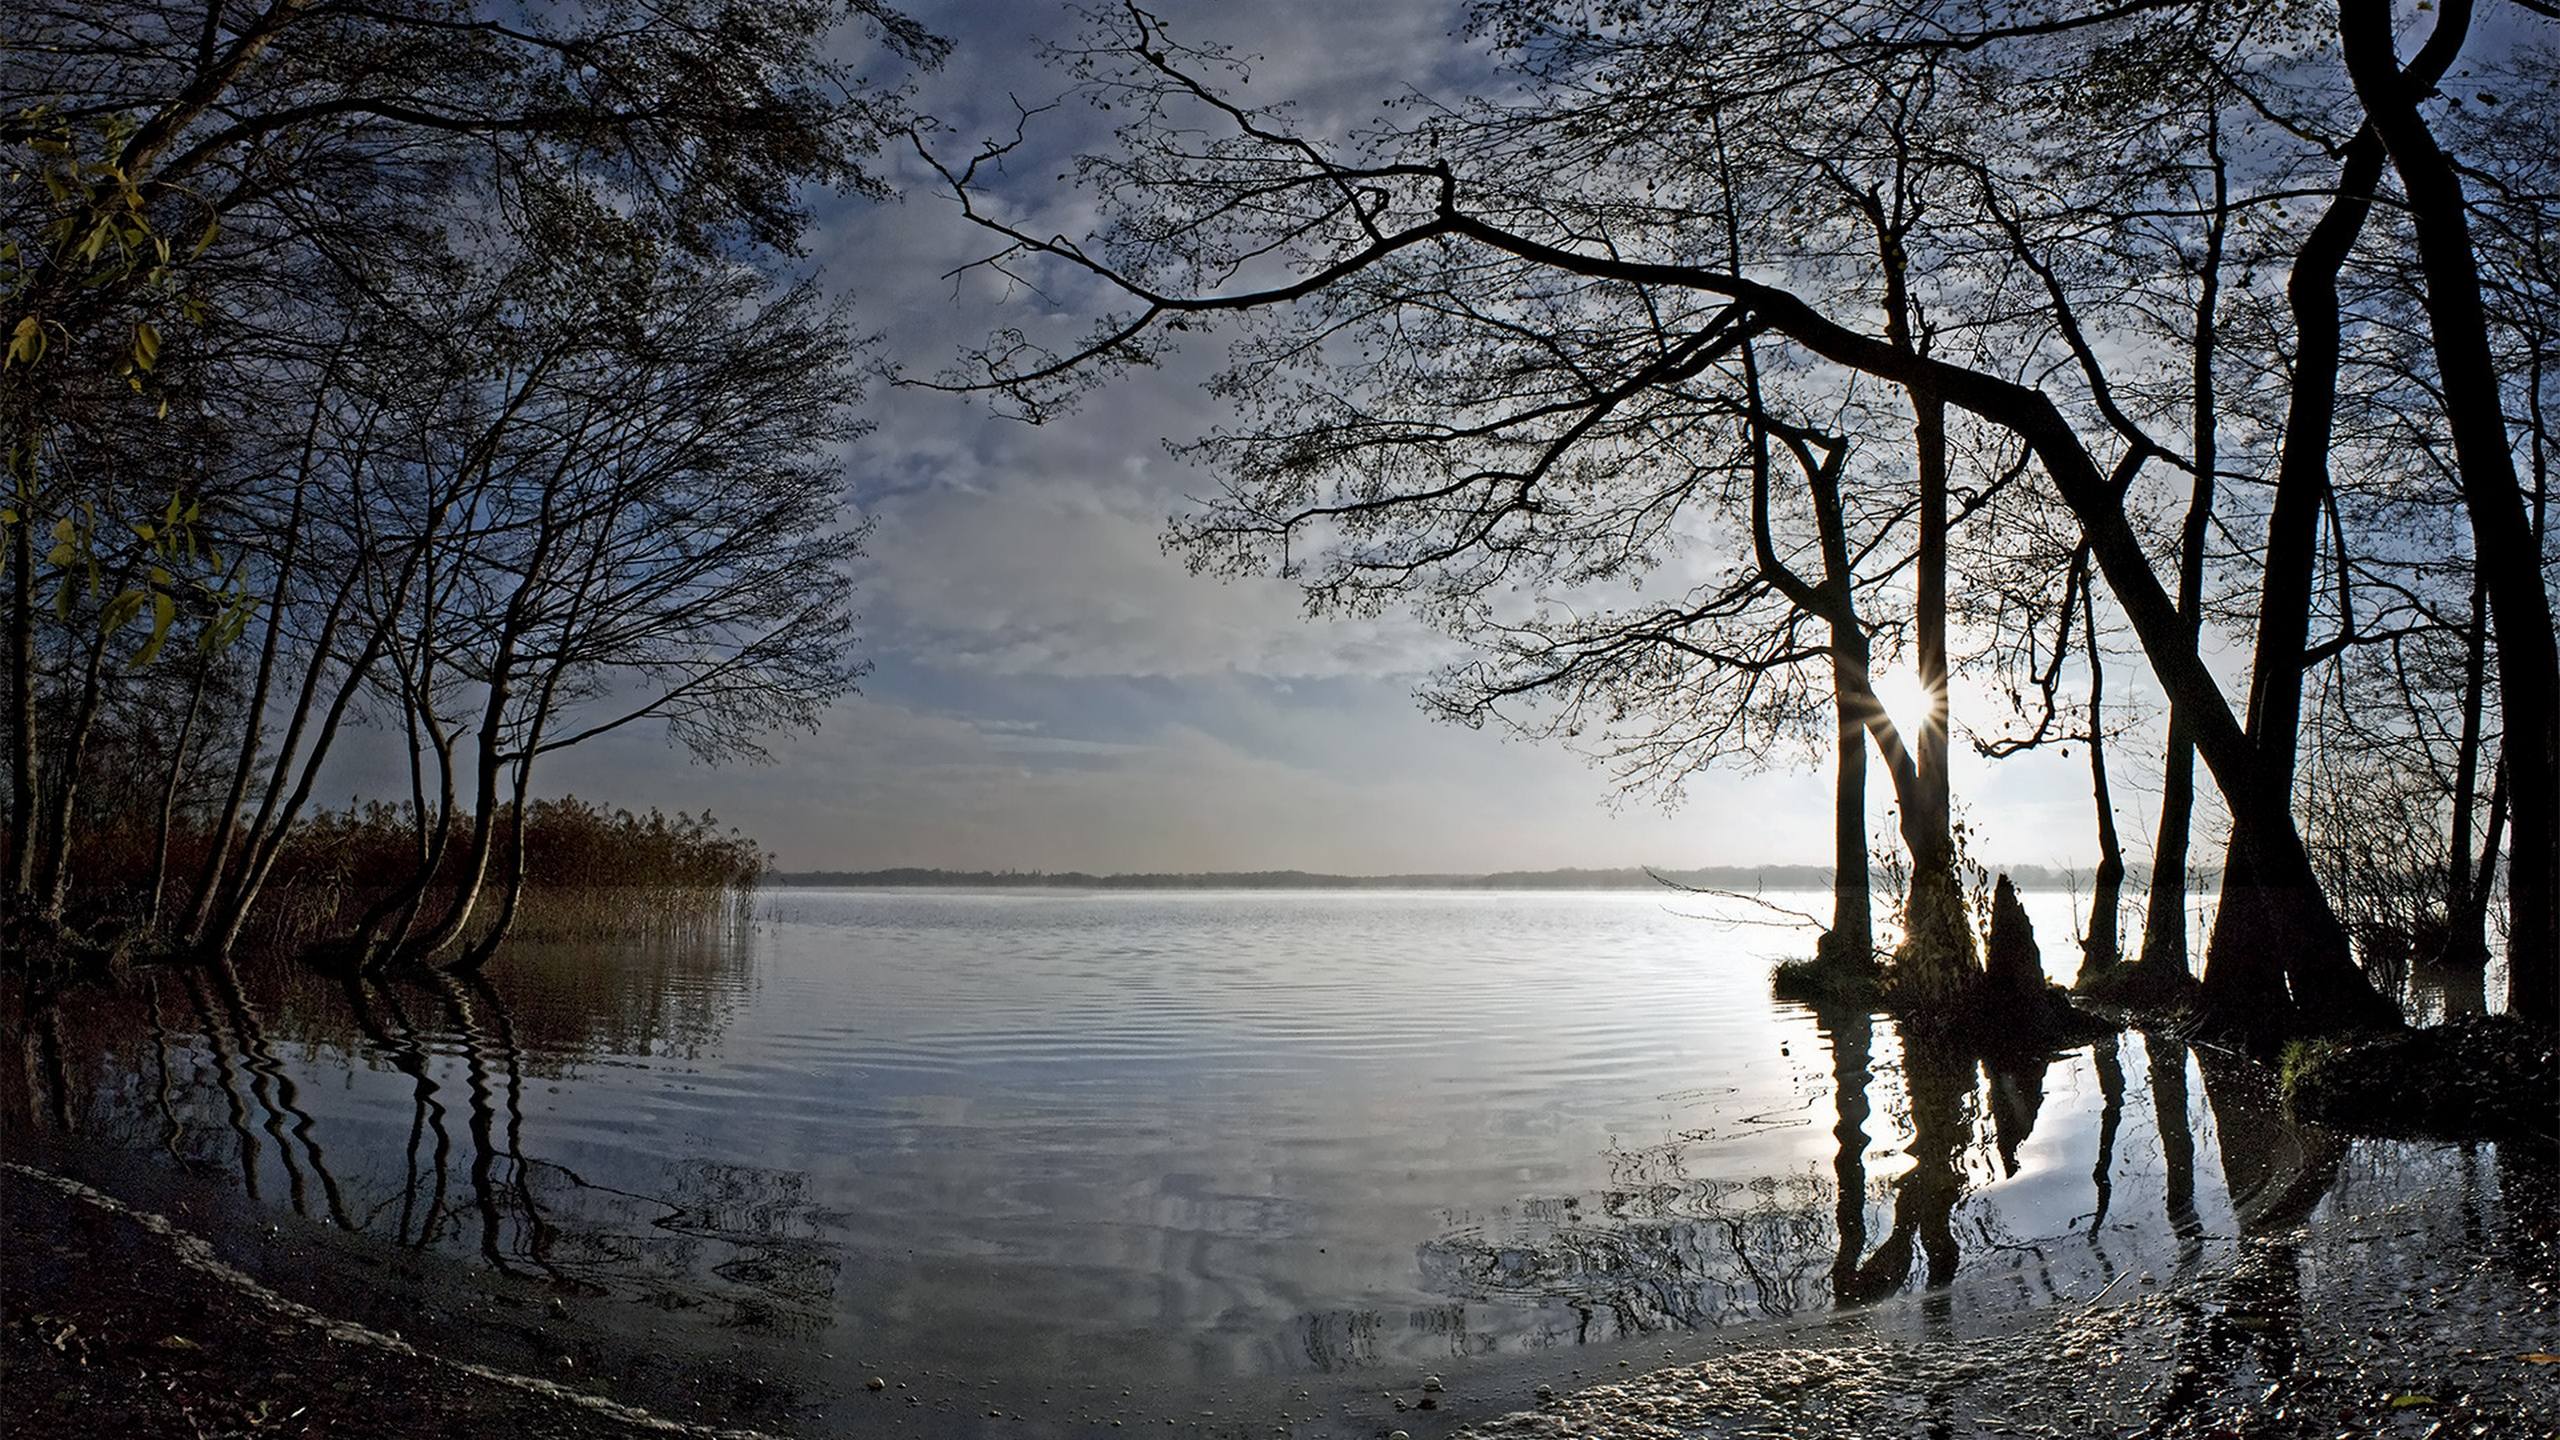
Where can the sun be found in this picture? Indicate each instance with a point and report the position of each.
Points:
(1904, 698)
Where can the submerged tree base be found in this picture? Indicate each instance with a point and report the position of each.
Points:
(2152, 987)
(2474, 1077)
(1830, 981)
(2005, 1007)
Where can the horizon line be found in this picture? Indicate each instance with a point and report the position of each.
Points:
(2027, 875)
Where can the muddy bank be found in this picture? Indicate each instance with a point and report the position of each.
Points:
(119, 1323)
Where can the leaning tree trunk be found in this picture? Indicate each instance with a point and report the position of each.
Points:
(227, 895)
(276, 818)
(225, 832)
(511, 891)
(2502, 534)
(456, 920)
(383, 929)
(512, 627)
(2279, 961)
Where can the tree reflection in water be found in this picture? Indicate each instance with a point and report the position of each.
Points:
(212, 1085)
(2109, 1064)
(1686, 1251)
(2275, 1169)
(1932, 1167)
(1938, 1080)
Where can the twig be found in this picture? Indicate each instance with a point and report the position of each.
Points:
(1795, 917)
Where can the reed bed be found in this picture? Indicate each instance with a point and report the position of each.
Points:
(591, 872)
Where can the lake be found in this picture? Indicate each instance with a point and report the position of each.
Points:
(1036, 1145)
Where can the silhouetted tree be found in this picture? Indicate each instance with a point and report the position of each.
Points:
(1455, 323)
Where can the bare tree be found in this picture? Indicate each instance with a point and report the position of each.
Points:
(204, 172)
(1389, 282)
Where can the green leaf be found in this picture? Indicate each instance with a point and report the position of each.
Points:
(121, 610)
(164, 613)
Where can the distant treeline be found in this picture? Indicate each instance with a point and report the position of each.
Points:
(1713, 877)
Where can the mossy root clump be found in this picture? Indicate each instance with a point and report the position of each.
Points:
(1828, 981)
(2151, 987)
(2477, 1077)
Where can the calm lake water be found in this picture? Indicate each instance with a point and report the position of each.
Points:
(1186, 1141)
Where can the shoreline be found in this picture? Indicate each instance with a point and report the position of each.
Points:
(119, 1321)
(2390, 1320)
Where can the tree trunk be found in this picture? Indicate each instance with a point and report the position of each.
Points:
(2162, 964)
(512, 892)
(224, 901)
(2466, 941)
(53, 827)
(2101, 951)
(545, 698)
(252, 723)
(2279, 960)
(2485, 879)
(2502, 534)
(267, 841)
(24, 774)
(475, 864)
(1851, 938)
(169, 797)
(2164, 909)
(513, 625)
(1936, 965)
(382, 932)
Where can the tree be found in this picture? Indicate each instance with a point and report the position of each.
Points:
(2503, 536)
(1577, 232)
(662, 543)
(222, 169)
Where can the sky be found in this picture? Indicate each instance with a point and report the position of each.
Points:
(1050, 691)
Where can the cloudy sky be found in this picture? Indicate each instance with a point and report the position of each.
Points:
(1051, 691)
